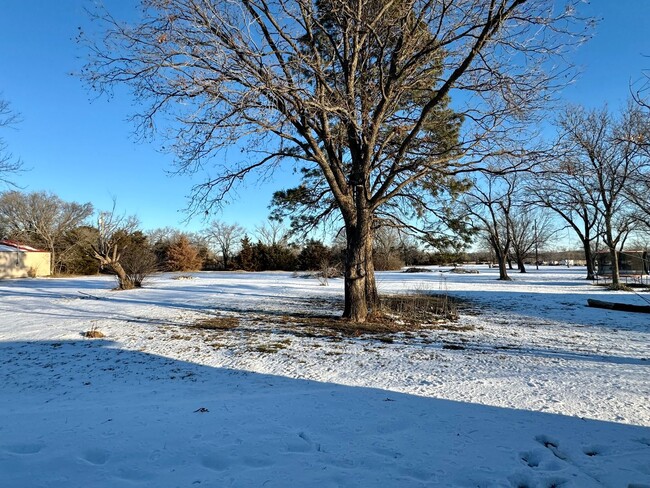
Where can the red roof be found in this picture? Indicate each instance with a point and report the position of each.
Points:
(20, 247)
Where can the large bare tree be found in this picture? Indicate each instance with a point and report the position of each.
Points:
(357, 93)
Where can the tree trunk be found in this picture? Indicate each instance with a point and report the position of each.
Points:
(52, 261)
(125, 282)
(360, 287)
(503, 268)
(611, 244)
(613, 255)
(111, 259)
(521, 265)
(501, 255)
(589, 259)
(372, 296)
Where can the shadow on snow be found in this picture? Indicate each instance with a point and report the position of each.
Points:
(86, 413)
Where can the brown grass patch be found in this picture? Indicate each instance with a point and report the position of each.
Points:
(272, 347)
(94, 334)
(217, 323)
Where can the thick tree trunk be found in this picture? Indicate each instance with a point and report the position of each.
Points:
(521, 265)
(372, 296)
(360, 287)
(503, 268)
(111, 259)
(125, 283)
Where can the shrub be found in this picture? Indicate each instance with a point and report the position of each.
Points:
(313, 255)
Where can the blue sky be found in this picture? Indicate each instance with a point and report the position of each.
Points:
(82, 148)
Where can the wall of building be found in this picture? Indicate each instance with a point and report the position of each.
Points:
(24, 264)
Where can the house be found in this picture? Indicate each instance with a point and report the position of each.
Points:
(20, 261)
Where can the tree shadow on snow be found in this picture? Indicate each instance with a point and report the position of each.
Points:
(87, 413)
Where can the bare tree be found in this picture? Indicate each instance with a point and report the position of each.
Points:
(112, 243)
(358, 93)
(488, 208)
(226, 237)
(604, 148)
(564, 186)
(8, 163)
(386, 249)
(272, 233)
(530, 229)
(42, 219)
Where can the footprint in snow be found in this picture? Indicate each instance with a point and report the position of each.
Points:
(540, 460)
(552, 445)
(594, 450)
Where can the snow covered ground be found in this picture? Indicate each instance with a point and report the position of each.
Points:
(529, 388)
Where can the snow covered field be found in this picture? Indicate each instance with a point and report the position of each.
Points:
(530, 388)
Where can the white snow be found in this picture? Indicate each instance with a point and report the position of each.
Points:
(531, 388)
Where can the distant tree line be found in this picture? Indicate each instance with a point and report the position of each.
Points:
(591, 179)
(83, 241)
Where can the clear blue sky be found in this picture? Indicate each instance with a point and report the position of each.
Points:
(82, 148)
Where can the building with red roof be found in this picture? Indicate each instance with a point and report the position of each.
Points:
(21, 261)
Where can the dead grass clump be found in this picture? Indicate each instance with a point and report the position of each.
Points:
(417, 270)
(331, 326)
(217, 323)
(94, 333)
(420, 307)
(273, 347)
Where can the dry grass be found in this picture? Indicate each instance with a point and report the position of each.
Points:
(330, 326)
(399, 314)
(420, 308)
(217, 323)
(94, 333)
(272, 347)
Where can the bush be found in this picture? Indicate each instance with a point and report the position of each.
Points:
(313, 255)
(139, 262)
